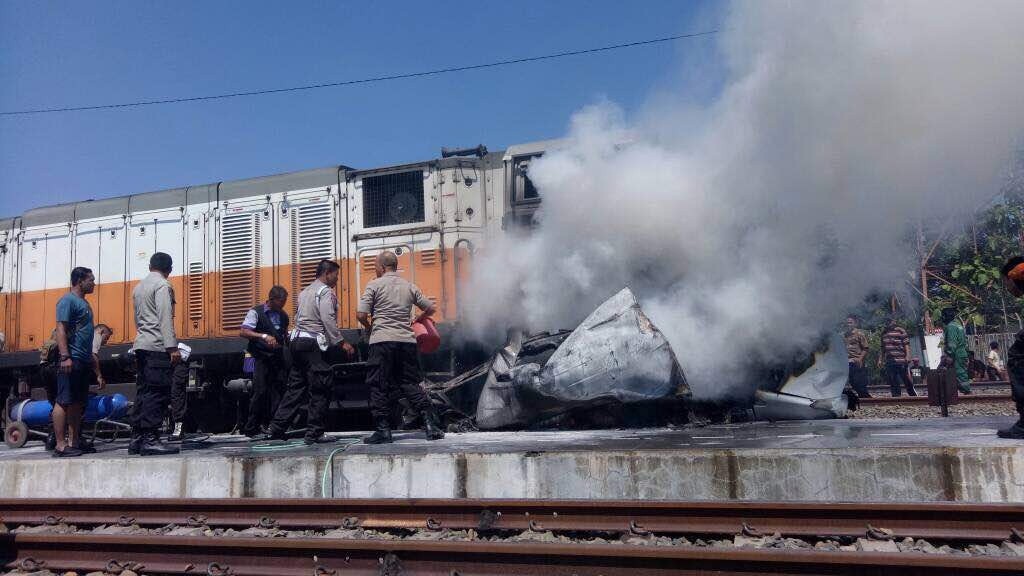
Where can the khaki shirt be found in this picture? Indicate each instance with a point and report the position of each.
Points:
(318, 315)
(389, 300)
(153, 298)
(856, 344)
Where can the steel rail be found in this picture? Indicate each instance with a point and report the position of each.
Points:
(220, 556)
(961, 399)
(965, 522)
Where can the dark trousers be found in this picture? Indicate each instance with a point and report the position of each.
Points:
(179, 392)
(310, 383)
(897, 377)
(394, 367)
(153, 390)
(269, 379)
(859, 380)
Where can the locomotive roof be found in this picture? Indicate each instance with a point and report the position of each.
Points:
(264, 185)
(221, 191)
(177, 197)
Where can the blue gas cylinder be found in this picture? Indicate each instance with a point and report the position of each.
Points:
(36, 413)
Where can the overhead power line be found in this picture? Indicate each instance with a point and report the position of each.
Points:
(371, 80)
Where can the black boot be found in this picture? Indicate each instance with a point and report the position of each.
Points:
(382, 435)
(152, 446)
(51, 441)
(1015, 432)
(134, 444)
(431, 425)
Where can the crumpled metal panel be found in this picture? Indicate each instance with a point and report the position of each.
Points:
(815, 393)
(615, 355)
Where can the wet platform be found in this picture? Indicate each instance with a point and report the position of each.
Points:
(954, 459)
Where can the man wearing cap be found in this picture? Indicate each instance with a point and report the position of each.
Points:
(385, 310)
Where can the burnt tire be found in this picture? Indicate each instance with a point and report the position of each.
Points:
(16, 434)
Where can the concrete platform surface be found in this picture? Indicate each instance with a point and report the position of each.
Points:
(954, 459)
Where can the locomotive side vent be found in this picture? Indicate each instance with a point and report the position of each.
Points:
(240, 261)
(195, 291)
(312, 241)
(393, 199)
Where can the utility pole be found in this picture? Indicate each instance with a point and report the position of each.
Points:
(926, 319)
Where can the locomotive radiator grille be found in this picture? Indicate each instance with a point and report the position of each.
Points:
(240, 261)
(312, 240)
(393, 199)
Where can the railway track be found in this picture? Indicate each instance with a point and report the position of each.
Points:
(630, 537)
(922, 399)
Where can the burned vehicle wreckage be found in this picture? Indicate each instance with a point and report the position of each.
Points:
(616, 369)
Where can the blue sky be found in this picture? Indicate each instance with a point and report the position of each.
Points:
(84, 53)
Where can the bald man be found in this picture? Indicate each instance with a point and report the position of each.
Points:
(385, 310)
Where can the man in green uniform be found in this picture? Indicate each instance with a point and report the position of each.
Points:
(955, 349)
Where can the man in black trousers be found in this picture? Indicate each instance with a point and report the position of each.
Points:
(310, 378)
(385, 310)
(266, 328)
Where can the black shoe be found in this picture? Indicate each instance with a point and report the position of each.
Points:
(431, 427)
(51, 442)
(321, 439)
(268, 437)
(133, 446)
(156, 448)
(67, 452)
(382, 435)
(1015, 432)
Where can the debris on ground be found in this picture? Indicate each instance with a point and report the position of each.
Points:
(617, 369)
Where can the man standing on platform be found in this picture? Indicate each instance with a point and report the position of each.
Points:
(266, 328)
(316, 330)
(156, 355)
(393, 363)
(1013, 281)
(75, 370)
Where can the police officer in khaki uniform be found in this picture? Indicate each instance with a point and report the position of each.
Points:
(393, 363)
(156, 355)
(316, 330)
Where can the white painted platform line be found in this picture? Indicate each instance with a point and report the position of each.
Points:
(896, 434)
(801, 436)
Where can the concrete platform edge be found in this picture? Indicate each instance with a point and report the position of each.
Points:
(966, 474)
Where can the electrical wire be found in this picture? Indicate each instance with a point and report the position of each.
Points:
(371, 80)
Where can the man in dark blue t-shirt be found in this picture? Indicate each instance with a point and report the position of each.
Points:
(76, 368)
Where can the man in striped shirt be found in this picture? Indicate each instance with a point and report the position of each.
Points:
(896, 350)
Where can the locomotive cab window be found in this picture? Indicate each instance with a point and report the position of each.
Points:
(393, 199)
(525, 190)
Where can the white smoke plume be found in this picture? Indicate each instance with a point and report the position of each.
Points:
(750, 225)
